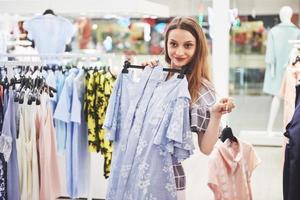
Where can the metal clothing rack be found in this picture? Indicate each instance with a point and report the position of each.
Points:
(44, 57)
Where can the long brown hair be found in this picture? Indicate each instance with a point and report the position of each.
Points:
(200, 68)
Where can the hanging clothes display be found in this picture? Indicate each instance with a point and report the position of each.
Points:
(230, 168)
(69, 109)
(29, 174)
(98, 89)
(291, 175)
(148, 121)
(35, 136)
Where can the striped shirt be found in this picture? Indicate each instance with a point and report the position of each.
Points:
(199, 118)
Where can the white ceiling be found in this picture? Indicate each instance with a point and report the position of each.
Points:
(139, 8)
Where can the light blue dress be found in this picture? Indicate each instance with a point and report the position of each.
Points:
(153, 134)
(63, 113)
(79, 155)
(60, 126)
(277, 55)
(10, 129)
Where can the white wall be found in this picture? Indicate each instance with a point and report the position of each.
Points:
(190, 7)
(264, 6)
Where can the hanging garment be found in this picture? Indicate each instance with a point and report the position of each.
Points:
(99, 87)
(5, 142)
(288, 93)
(103, 92)
(10, 129)
(230, 168)
(60, 126)
(27, 153)
(291, 174)
(5, 151)
(155, 133)
(277, 55)
(80, 154)
(63, 113)
(48, 163)
(3, 177)
(50, 33)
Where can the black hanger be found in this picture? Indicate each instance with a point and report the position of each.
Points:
(49, 11)
(109, 71)
(227, 134)
(128, 65)
(296, 60)
(184, 70)
(4, 80)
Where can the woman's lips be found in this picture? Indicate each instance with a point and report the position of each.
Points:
(179, 59)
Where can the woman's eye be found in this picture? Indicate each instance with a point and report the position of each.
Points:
(188, 46)
(173, 44)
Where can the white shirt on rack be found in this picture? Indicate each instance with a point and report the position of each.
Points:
(50, 33)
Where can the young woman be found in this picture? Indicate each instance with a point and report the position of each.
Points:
(150, 122)
(185, 45)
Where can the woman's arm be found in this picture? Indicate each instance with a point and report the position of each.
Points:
(207, 140)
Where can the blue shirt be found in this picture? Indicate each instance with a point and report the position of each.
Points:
(155, 133)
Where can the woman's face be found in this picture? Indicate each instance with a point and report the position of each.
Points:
(181, 46)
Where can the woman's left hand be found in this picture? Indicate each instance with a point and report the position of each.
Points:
(225, 105)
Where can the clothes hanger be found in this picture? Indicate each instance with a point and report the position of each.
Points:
(227, 133)
(49, 11)
(296, 61)
(184, 70)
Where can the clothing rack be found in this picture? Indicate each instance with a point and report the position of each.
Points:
(62, 55)
(89, 57)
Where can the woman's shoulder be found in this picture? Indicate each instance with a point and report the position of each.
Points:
(207, 95)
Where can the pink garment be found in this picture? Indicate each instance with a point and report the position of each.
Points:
(288, 93)
(48, 161)
(181, 195)
(230, 168)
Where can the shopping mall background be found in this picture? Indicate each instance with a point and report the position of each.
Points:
(134, 28)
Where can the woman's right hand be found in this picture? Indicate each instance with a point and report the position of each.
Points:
(151, 63)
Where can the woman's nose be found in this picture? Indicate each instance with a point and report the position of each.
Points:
(179, 51)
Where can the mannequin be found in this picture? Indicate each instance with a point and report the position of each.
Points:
(277, 55)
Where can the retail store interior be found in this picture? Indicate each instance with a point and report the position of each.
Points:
(106, 33)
